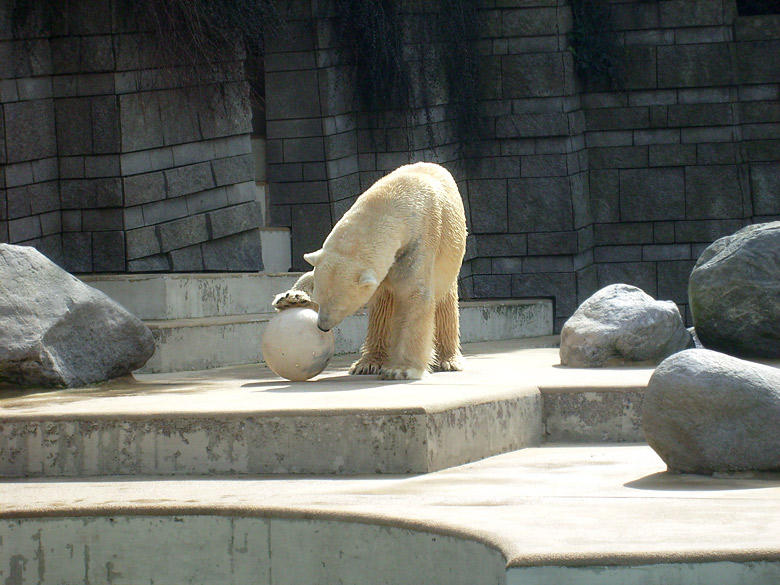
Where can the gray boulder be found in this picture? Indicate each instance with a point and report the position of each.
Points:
(707, 412)
(621, 324)
(57, 331)
(734, 293)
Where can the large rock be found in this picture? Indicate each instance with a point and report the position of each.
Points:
(707, 412)
(621, 324)
(57, 331)
(734, 293)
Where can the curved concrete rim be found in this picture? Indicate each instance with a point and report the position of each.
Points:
(511, 556)
(589, 505)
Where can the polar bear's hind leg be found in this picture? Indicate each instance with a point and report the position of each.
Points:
(447, 336)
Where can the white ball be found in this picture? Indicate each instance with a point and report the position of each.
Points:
(294, 347)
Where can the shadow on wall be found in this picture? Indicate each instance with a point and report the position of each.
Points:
(758, 7)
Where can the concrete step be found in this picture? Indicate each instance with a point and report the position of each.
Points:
(193, 295)
(214, 342)
(585, 515)
(210, 342)
(246, 420)
(203, 320)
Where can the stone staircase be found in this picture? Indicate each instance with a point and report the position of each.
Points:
(202, 321)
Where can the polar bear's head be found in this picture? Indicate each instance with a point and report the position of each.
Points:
(341, 286)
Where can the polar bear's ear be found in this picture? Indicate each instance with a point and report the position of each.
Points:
(313, 258)
(368, 279)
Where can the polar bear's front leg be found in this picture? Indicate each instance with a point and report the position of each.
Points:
(298, 296)
(411, 338)
(375, 347)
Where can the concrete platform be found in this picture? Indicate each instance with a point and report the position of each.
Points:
(191, 295)
(246, 420)
(554, 515)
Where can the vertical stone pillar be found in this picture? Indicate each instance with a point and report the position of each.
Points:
(88, 140)
(29, 173)
(297, 175)
(529, 205)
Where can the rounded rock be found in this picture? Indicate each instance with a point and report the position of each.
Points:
(734, 293)
(56, 331)
(706, 412)
(621, 324)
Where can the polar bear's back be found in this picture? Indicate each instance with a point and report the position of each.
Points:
(442, 179)
(417, 206)
(424, 186)
(443, 227)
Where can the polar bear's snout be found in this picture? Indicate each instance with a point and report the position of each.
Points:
(324, 323)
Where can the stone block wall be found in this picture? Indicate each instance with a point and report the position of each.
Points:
(298, 123)
(322, 149)
(525, 191)
(109, 162)
(687, 151)
(29, 170)
(114, 163)
(575, 186)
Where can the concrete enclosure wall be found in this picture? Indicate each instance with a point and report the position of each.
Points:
(237, 550)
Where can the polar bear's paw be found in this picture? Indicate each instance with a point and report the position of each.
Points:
(292, 298)
(366, 366)
(453, 364)
(401, 373)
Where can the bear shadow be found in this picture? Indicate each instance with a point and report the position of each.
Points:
(340, 383)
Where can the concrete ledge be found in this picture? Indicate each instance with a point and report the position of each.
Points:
(511, 319)
(206, 342)
(591, 415)
(256, 550)
(214, 342)
(246, 420)
(187, 296)
(234, 339)
(393, 441)
(203, 321)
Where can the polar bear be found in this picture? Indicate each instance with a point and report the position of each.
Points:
(399, 248)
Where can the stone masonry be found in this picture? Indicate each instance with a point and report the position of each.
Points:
(576, 186)
(111, 163)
